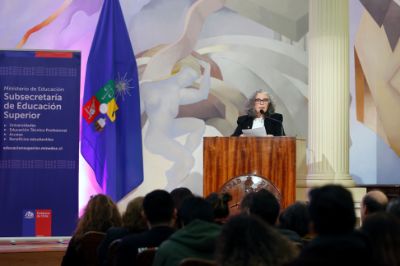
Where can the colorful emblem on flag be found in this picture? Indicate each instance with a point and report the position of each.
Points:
(104, 105)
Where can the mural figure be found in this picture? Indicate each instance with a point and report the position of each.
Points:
(161, 100)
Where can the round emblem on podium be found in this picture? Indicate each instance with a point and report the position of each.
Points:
(239, 186)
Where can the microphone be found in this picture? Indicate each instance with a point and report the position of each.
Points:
(275, 120)
(270, 118)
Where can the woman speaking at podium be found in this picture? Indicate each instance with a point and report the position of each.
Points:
(261, 113)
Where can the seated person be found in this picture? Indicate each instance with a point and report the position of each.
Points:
(247, 240)
(197, 237)
(160, 213)
(295, 220)
(266, 206)
(100, 214)
(219, 202)
(372, 202)
(333, 220)
(179, 195)
(261, 113)
(132, 222)
(393, 207)
(383, 232)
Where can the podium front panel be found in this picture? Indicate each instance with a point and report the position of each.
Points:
(273, 158)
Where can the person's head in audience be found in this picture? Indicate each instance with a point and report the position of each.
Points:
(195, 208)
(179, 195)
(195, 239)
(394, 207)
(383, 232)
(373, 201)
(247, 240)
(245, 203)
(133, 219)
(159, 208)
(100, 214)
(265, 205)
(331, 210)
(296, 218)
(219, 202)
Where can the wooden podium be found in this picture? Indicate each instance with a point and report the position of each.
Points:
(273, 158)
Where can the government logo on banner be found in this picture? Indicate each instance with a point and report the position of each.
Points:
(36, 222)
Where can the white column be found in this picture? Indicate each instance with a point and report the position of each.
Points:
(328, 137)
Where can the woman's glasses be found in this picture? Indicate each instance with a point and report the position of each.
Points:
(258, 100)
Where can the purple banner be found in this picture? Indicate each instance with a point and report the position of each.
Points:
(39, 127)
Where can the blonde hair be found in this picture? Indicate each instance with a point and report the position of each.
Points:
(132, 219)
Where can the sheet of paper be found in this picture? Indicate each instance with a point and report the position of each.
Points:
(255, 132)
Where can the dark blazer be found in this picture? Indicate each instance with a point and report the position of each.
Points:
(341, 249)
(273, 124)
(112, 234)
(129, 246)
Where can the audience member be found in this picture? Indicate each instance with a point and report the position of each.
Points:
(383, 231)
(100, 214)
(196, 239)
(296, 218)
(133, 218)
(179, 195)
(394, 207)
(245, 203)
(160, 212)
(266, 206)
(219, 202)
(333, 220)
(132, 222)
(373, 201)
(247, 240)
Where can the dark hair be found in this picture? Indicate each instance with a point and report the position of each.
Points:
(250, 104)
(265, 205)
(246, 201)
(158, 206)
(296, 218)
(179, 195)
(394, 207)
(196, 208)
(219, 202)
(247, 240)
(383, 232)
(100, 214)
(332, 210)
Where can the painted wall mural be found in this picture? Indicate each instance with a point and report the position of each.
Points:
(375, 126)
(199, 61)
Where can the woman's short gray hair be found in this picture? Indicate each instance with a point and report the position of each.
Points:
(250, 104)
